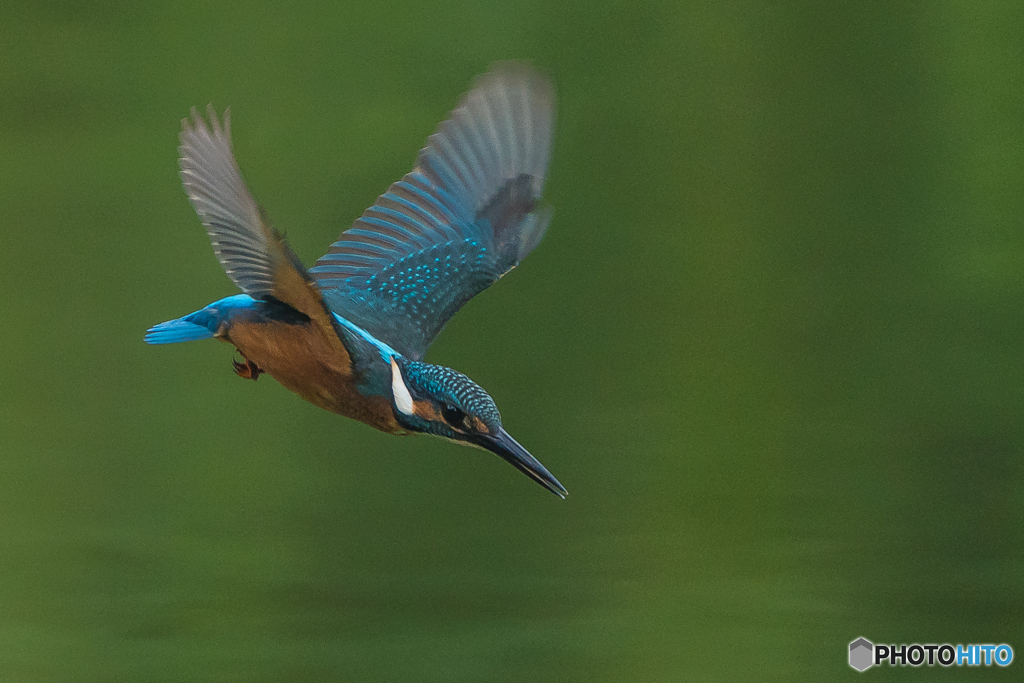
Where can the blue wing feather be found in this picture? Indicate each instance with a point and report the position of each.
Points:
(464, 216)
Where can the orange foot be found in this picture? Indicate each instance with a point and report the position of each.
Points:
(247, 370)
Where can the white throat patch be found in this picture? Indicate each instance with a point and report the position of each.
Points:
(403, 399)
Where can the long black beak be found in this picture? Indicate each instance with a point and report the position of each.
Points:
(504, 445)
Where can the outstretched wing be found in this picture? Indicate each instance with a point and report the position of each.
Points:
(253, 254)
(464, 216)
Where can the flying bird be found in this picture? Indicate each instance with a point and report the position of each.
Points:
(350, 333)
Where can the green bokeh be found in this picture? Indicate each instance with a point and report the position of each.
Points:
(772, 344)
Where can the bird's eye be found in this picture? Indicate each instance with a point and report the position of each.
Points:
(453, 416)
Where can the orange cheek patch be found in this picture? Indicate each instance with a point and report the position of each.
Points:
(479, 425)
(426, 410)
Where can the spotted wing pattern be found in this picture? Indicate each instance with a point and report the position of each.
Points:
(464, 216)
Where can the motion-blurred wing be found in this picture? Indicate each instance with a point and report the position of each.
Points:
(253, 254)
(464, 216)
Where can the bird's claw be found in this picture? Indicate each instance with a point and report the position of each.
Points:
(247, 370)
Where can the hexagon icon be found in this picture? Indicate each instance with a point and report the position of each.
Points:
(861, 654)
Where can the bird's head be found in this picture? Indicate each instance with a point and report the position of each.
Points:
(431, 399)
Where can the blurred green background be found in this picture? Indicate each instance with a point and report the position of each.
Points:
(772, 344)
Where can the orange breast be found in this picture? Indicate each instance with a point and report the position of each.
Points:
(314, 364)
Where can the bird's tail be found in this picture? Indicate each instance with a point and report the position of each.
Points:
(202, 324)
(174, 331)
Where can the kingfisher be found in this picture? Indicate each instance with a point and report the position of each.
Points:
(349, 334)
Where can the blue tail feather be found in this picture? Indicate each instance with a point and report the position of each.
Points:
(174, 331)
(202, 324)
